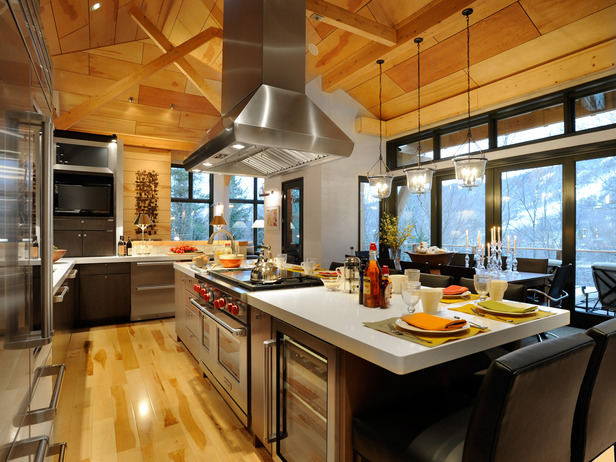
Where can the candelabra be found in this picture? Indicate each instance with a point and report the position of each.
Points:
(478, 259)
(466, 257)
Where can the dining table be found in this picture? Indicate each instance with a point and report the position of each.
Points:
(528, 279)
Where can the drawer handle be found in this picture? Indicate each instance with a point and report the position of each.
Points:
(236, 332)
(59, 298)
(72, 274)
(58, 449)
(36, 446)
(155, 287)
(155, 263)
(43, 415)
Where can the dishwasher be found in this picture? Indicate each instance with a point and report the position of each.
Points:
(152, 292)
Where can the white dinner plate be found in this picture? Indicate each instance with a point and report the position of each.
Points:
(507, 313)
(460, 296)
(416, 330)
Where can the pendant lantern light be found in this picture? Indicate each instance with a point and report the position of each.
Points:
(419, 179)
(380, 183)
(470, 168)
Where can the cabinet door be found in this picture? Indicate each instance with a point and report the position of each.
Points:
(70, 240)
(63, 312)
(104, 298)
(98, 243)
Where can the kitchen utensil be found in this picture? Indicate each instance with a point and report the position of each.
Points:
(410, 294)
(472, 323)
(393, 330)
(351, 274)
(493, 315)
(264, 271)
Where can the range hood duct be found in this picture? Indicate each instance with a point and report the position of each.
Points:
(269, 126)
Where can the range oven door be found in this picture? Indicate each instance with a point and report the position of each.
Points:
(224, 357)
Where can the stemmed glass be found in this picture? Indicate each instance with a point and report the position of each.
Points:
(410, 294)
(482, 285)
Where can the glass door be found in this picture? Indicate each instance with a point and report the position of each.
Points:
(293, 220)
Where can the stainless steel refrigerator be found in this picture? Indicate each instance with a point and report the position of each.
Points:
(29, 384)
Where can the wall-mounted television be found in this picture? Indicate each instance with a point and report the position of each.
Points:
(83, 195)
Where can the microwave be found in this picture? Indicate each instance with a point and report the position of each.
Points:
(83, 195)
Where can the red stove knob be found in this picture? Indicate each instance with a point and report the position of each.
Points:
(230, 307)
(197, 288)
(235, 310)
(221, 303)
(206, 296)
(203, 291)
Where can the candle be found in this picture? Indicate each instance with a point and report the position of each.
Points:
(467, 238)
(499, 236)
(508, 244)
(479, 238)
(488, 246)
(515, 244)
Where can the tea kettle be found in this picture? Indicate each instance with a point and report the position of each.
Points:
(265, 271)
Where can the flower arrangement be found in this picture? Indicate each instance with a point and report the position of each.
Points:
(393, 234)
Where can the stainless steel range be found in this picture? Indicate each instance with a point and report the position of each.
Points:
(225, 329)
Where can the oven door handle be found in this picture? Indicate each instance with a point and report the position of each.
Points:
(269, 436)
(236, 332)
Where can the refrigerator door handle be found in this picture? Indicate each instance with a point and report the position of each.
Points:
(46, 178)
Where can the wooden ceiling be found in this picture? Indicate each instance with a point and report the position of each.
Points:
(119, 69)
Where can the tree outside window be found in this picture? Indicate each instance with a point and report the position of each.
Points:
(191, 200)
(245, 207)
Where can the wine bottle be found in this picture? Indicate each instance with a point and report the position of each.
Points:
(372, 280)
(129, 247)
(385, 293)
(34, 252)
(121, 247)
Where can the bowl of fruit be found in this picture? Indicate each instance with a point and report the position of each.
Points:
(231, 260)
(58, 253)
(184, 249)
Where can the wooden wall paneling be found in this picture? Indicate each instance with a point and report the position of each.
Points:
(156, 143)
(215, 85)
(392, 11)
(103, 24)
(138, 113)
(163, 98)
(97, 124)
(131, 52)
(166, 79)
(552, 14)
(76, 41)
(367, 94)
(126, 29)
(193, 15)
(210, 53)
(168, 132)
(166, 22)
(74, 62)
(49, 27)
(69, 18)
(196, 121)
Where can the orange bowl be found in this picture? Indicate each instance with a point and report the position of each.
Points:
(433, 259)
(231, 261)
(57, 254)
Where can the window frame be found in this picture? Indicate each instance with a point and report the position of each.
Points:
(192, 200)
(255, 203)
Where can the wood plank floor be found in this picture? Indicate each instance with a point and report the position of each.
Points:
(132, 393)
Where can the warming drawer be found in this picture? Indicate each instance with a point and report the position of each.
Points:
(152, 290)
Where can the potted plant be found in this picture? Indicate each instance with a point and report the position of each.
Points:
(394, 234)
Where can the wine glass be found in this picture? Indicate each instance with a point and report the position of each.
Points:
(410, 294)
(482, 285)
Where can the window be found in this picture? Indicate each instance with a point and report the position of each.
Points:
(368, 217)
(191, 199)
(454, 143)
(596, 110)
(533, 125)
(531, 205)
(245, 207)
(461, 211)
(406, 155)
(595, 195)
(414, 209)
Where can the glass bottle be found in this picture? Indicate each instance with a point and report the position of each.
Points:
(129, 247)
(34, 252)
(121, 247)
(372, 280)
(385, 293)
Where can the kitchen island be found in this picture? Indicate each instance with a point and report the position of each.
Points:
(363, 368)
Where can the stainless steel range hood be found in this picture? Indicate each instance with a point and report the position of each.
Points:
(269, 126)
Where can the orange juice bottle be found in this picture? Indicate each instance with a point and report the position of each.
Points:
(372, 281)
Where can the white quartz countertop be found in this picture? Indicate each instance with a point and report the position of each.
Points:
(134, 258)
(61, 270)
(338, 318)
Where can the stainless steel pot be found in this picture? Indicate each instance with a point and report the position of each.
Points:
(264, 272)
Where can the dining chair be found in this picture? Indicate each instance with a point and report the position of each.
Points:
(555, 293)
(533, 265)
(386, 262)
(514, 292)
(335, 264)
(457, 272)
(594, 425)
(523, 412)
(459, 259)
(435, 280)
(604, 276)
(422, 266)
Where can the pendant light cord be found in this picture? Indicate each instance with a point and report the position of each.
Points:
(380, 62)
(418, 40)
(467, 13)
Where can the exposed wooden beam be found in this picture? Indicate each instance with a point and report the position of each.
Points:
(530, 83)
(157, 143)
(363, 61)
(87, 107)
(346, 20)
(165, 45)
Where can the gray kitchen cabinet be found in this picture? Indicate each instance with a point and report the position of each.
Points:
(187, 317)
(152, 290)
(85, 236)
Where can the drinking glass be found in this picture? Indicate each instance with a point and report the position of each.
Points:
(411, 275)
(410, 294)
(482, 285)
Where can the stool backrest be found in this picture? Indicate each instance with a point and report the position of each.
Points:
(527, 401)
(594, 428)
(604, 276)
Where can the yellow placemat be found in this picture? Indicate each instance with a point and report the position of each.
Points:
(458, 300)
(425, 340)
(510, 319)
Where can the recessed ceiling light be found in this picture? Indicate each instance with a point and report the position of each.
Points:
(207, 164)
(95, 6)
(237, 146)
(172, 106)
(313, 49)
